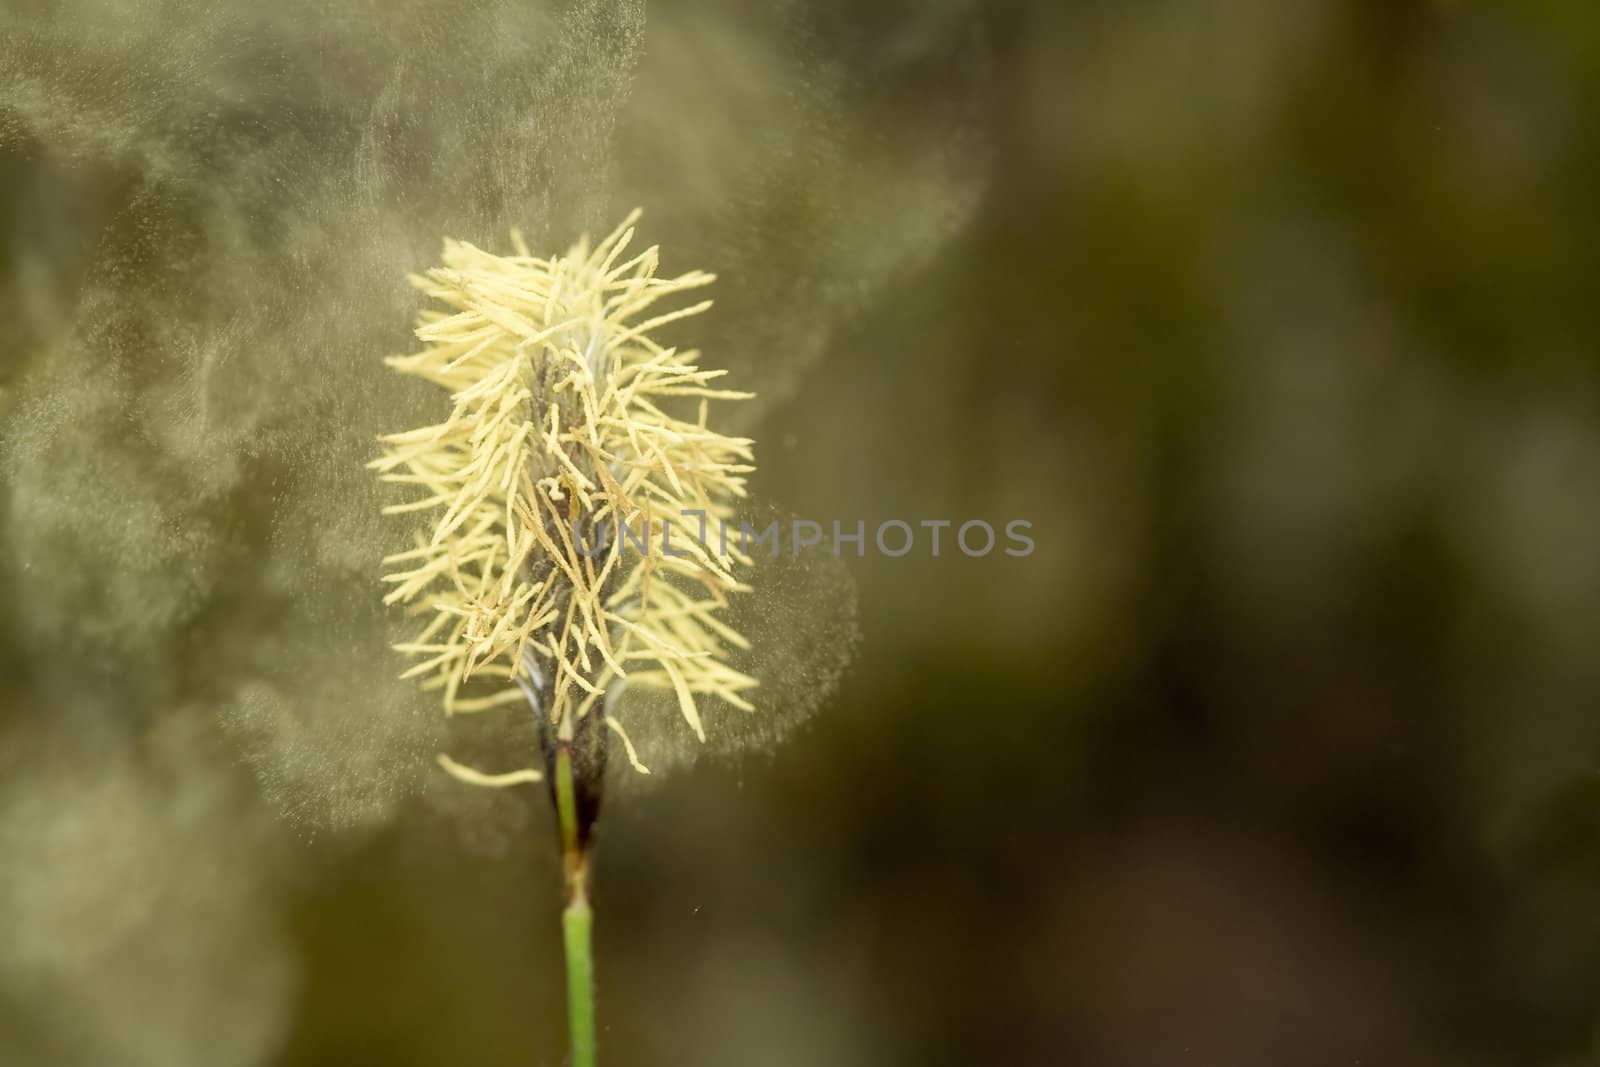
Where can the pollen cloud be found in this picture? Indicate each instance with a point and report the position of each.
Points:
(209, 215)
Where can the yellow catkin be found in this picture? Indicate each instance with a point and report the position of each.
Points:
(561, 413)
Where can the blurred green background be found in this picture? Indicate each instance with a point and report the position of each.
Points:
(1276, 318)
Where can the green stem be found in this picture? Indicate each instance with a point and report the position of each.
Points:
(575, 923)
(577, 918)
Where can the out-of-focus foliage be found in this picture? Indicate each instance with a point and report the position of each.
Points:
(1275, 318)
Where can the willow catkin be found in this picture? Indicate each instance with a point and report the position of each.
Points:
(558, 566)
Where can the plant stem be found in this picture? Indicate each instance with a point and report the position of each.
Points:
(577, 918)
(580, 982)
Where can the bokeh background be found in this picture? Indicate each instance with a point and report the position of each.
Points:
(1276, 318)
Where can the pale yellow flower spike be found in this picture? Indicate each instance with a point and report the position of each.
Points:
(561, 422)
